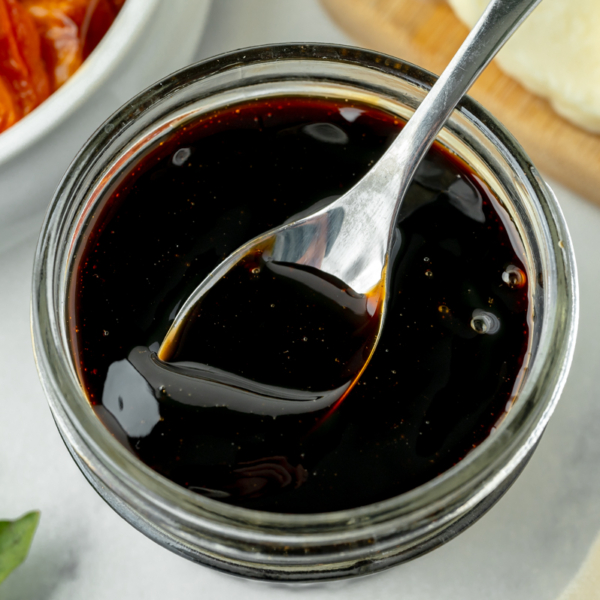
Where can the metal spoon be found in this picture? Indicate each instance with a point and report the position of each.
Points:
(350, 239)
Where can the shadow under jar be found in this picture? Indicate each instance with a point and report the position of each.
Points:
(320, 511)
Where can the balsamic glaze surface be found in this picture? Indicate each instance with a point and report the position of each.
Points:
(449, 356)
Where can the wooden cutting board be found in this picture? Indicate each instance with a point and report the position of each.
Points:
(427, 33)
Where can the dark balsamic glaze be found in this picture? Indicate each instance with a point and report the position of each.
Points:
(256, 406)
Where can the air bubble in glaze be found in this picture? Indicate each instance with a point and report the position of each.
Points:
(181, 157)
(514, 277)
(485, 322)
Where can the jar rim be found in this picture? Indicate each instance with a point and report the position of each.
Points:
(483, 468)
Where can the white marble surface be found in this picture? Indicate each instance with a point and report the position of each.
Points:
(528, 547)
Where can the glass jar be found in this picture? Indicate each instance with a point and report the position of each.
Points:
(328, 545)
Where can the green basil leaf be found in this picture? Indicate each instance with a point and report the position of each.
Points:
(15, 540)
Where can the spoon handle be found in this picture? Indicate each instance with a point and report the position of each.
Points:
(494, 28)
(357, 229)
(351, 237)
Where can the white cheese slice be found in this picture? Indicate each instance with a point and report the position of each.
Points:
(555, 54)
